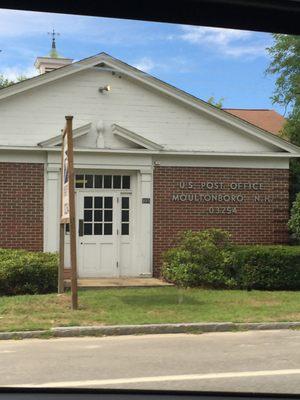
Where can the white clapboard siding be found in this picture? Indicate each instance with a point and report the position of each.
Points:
(38, 114)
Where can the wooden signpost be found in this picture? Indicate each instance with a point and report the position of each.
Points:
(67, 206)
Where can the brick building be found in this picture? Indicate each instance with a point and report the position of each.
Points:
(150, 161)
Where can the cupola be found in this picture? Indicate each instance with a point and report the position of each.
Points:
(53, 60)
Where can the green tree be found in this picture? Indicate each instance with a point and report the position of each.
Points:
(5, 82)
(294, 222)
(285, 65)
(216, 103)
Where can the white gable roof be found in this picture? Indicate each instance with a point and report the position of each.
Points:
(134, 137)
(104, 62)
(57, 140)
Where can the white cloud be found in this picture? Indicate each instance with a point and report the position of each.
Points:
(228, 42)
(249, 50)
(145, 64)
(207, 35)
(28, 24)
(13, 73)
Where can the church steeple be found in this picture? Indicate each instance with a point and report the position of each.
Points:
(53, 60)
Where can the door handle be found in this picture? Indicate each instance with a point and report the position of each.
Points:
(81, 227)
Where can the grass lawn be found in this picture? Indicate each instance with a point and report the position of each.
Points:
(148, 305)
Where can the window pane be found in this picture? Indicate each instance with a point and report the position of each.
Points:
(97, 229)
(88, 202)
(126, 182)
(87, 229)
(117, 182)
(88, 215)
(98, 215)
(67, 228)
(107, 229)
(125, 202)
(108, 215)
(98, 181)
(98, 202)
(108, 202)
(79, 180)
(125, 215)
(107, 181)
(125, 229)
(89, 181)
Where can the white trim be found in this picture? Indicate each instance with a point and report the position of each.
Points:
(158, 85)
(50, 76)
(134, 137)
(45, 206)
(57, 140)
(153, 152)
(222, 162)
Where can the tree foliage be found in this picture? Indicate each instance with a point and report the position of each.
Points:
(5, 82)
(294, 222)
(216, 103)
(285, 65)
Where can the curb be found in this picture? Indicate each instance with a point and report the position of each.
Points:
(120, 330)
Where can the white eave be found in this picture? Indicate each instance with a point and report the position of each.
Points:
(135, 138)
(152, 152)
(57, 140)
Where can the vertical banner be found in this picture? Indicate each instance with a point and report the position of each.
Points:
(65, 211)
(68, 206)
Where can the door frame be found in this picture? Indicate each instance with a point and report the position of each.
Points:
(139, 262)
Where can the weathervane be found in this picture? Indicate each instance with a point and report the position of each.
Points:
(53, 52)
(53, 34)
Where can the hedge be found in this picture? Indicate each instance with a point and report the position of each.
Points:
(23, 272)
(267, 267)
(206, 263)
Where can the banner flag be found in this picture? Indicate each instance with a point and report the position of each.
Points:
(65, 184)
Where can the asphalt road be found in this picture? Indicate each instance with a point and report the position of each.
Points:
(265, 361)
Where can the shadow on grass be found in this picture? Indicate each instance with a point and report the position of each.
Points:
(161, 300)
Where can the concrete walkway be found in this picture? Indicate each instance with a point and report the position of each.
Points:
(101, 283)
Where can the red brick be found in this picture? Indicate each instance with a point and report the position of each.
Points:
(264, 223)
(21, 206)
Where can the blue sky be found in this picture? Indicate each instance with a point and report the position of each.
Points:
(202, 61)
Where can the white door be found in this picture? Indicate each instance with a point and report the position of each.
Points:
(98, 232)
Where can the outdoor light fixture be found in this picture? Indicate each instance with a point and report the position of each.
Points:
(104, 89)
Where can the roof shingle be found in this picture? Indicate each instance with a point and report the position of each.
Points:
(268, 120)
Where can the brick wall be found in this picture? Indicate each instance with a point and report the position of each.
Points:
(21, 206)
(261, 221)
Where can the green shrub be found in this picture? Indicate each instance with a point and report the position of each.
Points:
(294, 222)
(207, 259)
(201, 259)
(23, 272)
(267, 267)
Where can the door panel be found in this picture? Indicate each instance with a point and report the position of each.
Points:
(98, 243)
(127, 265)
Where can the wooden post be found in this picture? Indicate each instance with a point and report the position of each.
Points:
(72, 214)
(61, 286)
